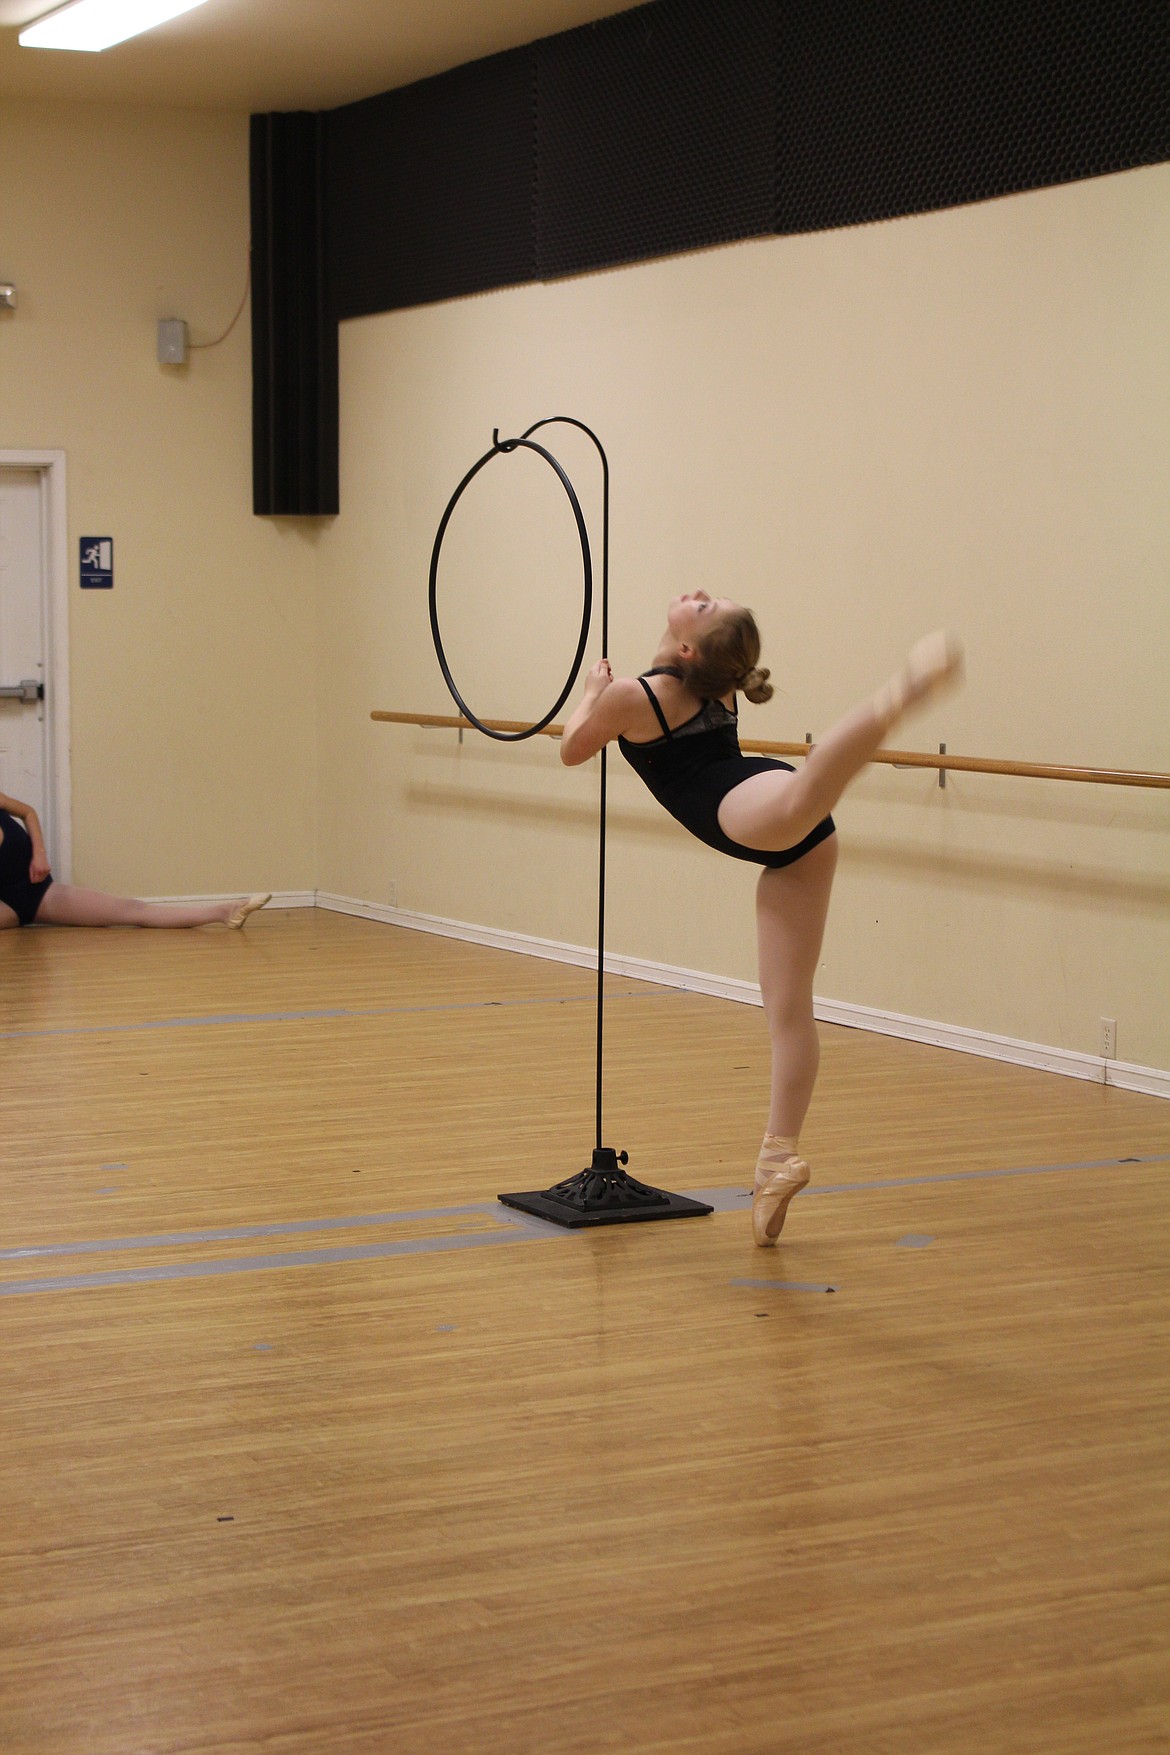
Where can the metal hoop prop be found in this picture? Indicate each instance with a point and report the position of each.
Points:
(603, 1194)
(499, 449)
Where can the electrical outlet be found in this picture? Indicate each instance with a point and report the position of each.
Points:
(1108, 1038)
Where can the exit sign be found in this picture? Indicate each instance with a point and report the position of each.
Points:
(97, 563)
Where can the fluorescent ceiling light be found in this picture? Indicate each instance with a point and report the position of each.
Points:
(96, 24)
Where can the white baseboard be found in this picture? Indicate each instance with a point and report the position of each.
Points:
(1148, 1079)
(964, 1040)
(280, 899)
(582, 956)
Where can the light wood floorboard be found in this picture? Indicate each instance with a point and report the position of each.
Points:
(564, 1493)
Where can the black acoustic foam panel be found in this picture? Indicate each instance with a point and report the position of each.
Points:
(655, 133)
(431, 188)
(681, 124)
(903, 106)
(674, 126)
(294, 336)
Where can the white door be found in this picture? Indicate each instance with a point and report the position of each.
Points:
(34, 644)
(23, 753)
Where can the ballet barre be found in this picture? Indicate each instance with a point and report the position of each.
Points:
(942, 763)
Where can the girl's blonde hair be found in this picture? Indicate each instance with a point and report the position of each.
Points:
(728, 658)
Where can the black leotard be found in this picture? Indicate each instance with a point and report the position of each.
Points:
(23, 897)
(691, 769)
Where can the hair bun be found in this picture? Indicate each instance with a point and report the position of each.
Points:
(756, 686)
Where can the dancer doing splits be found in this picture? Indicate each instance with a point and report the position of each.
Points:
(676, 725)
(28, 893)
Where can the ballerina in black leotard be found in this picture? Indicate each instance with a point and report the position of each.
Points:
(676, 726)
(28, 893)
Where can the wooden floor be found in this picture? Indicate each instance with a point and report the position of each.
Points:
(321, 1453)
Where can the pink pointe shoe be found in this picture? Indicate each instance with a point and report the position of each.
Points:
(934, 664)
(240, 913)
(772, 1195)
(932, 667)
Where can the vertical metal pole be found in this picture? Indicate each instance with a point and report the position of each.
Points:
(601, 954)
(601, 832)
(570, 421)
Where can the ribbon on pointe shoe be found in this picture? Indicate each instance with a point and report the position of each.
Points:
(780, 1174)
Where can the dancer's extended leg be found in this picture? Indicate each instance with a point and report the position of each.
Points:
(776, 810)
(70, 905)
(792, 904)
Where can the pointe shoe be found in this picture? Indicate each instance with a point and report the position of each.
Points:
(240, 913)
(932, 665)
(771, 1198)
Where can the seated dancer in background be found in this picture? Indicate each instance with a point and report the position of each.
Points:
(676, 725)
(28, 892)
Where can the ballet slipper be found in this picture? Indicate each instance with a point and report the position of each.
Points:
(780, 1174)
(931, 664)
(241, 912)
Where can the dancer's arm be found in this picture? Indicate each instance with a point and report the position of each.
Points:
(39, 865)
(607, 709)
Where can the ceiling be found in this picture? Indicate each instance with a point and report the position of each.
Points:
(256, 55)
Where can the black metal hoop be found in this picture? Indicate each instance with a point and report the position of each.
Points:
(498, 449)
(604, 1194)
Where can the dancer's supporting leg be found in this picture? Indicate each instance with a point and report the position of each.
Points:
(792, 904)
(776, 810)
(69, 905)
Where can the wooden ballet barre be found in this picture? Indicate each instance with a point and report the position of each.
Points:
(456, 722)
(894, 758)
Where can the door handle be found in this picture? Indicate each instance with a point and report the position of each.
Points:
(28, 690)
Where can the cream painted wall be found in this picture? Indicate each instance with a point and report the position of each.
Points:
(958, 418)
(192, 681)
(955, 418)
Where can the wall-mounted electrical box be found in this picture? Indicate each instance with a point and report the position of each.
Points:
(172, 341)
